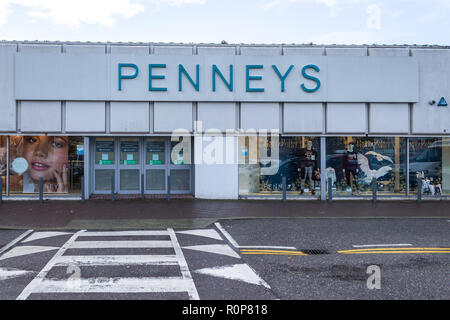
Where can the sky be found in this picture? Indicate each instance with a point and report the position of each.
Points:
(234, 21)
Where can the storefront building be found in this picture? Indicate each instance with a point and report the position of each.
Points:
(224, 121)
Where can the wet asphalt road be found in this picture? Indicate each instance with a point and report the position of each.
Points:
(290, 276)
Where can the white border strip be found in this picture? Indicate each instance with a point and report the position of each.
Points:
(237, 246)
(187, 277)
(16, 240)
(382, 245)
(227, 235)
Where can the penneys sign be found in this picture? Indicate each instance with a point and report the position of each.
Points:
(116, 77)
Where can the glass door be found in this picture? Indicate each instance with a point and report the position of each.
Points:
(180, 166)
(129, 165)
(155, 165)
(104, 164)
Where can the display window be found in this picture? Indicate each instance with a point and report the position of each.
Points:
(264, 161)
(429, 160)
(58, 160)
(3, 162)
(354, 162)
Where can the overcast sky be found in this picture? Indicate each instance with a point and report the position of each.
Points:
(235, 21)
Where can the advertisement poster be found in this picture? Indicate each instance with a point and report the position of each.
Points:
(3, 161)
(35, 157)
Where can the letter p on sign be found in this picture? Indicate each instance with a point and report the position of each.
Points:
(374, 280)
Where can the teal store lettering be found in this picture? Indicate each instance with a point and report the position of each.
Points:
(253, 75)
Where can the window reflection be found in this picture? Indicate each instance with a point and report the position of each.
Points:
(353, 162)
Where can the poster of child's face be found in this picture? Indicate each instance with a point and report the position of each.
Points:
(46, 157)
(3, 156)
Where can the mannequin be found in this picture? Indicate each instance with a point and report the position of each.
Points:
(307, 164)
(351, 167)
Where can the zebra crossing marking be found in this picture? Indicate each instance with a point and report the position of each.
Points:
(184, 283)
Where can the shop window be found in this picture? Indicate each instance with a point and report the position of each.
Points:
(180, 151)
(58, 160)
(3, 162)
(264, 160)
(104, 151)
(353, 162)
(429, 159)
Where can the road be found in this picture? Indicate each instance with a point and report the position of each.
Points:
(257, 259)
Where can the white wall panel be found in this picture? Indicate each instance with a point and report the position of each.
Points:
(217, 115)
(389, 118)
(434, 83)
(303, 117)
(228, 51)
(130, 117)
(389, 52)
(62, 76)
(7, 100)
(85, 116)
(225, 183)
(40, 116)
(346, 118)
(40, 48)
(346, 52)
(82, 49)
(260, 51)
(260, 116)
(132, 50)
(172, 50)
(317, 51)
(170, 116)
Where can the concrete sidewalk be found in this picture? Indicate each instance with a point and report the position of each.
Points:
(137, 214)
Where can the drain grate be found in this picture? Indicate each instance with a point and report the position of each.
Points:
(314, 251)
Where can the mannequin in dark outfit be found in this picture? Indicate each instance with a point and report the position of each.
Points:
(306, 165)
(351, 165)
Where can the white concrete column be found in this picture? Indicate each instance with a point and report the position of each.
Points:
(216, 167)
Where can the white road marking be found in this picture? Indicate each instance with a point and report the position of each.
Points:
(237, 246)
(209, 233)
(38, 279)
(16, 240)
(8, 273)
(381, 245)
(117, 285)
(120, 244)
(123, 233)
(25, 250)
(120, 260)
(240, 272)
(192, 290)
(222, 249)
(43, 235)
(227, 235)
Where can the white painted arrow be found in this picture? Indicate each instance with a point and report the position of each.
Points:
(8, 273)
(215, 248)
(25, 250)
(43, 235)
(209, 233)
(240, 272)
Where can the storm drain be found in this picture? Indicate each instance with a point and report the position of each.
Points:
(314, 251)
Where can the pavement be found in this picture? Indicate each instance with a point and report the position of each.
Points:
(196, 213)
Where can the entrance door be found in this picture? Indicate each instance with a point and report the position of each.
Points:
(104, 164)
(129, 165)
(155, 165)
(125, 159)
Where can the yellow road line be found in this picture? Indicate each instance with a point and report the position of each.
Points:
(393, 249)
